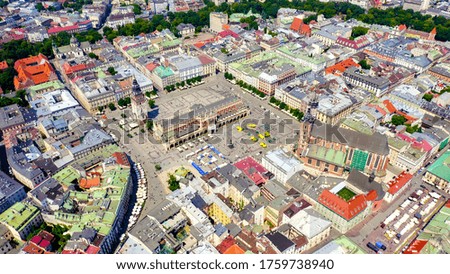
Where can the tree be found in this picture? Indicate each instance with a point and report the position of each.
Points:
(363, 64)
(93, 55)
(173, 183)
(137, 9)
(428, 97)
(358, 31)
(39, 7)
(112, 71)
(158, 167)
(112, 106)
(121, 102)
(151, 103)
(398, 120)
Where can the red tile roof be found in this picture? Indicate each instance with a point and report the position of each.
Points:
(92, 249)
(151, 66)
(433, 31)
(46, 235)
(3, 65)
(205, 59)
(32, 248)
(402, 27)
(73, 252)
(36, 239)
(234, 249)
(89, 182)
(44, 244)
(399, 182)
(33, 70)
(415, 247)
(300, 27)
(390, 107)
(340, 67)
(252, 169)
(228, 32)
(358, 43)
(345, 209)
(58, 29)
(225, 244)
(121, 158)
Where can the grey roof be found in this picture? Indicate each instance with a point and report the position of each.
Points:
(237, 178)
(10, 116)
(49, 189)
(380, 82)
(149, 232)
(376, 143)
(233, 229)
(364, 183)
(9, 187)
(440, 70)
(164, 210)
(280, 241)
(275, 189)
(88, 233)
(19, 162)
(91, 139)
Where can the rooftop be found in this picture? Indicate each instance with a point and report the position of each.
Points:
(19, 215)
(441, 167)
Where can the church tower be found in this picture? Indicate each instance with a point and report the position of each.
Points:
(138, 102)
(306, 126)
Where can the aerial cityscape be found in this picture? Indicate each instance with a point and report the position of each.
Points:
(225, 127)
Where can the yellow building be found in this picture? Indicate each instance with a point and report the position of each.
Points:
(220, 212)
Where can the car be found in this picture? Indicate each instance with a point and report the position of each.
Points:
(253, 138)
(260, 136)
(239, 128)
(263, 145)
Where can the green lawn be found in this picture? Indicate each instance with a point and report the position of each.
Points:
(346, 194)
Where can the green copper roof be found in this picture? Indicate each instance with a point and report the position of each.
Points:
(441, 167)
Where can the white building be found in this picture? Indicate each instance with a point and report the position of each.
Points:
(217, 20)
(281, 165)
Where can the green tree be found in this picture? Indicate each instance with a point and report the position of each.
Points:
(151, 103)
(363, 64)
(173, 183)
(112, 106)
(137, 9)
(39, 7)
(358, 31)
(428, 97)
(93, 55)
(398, 120)
(112, 71)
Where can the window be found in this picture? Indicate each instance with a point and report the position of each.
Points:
(377, 161)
